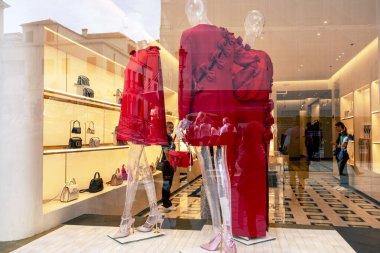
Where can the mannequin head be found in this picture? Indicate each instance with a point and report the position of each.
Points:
(142, 44)
(253, 25)
(196, 12)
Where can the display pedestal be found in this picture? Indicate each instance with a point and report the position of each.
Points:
(137, 236)
(251, 241)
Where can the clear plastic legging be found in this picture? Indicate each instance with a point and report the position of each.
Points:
(135, 172)
(218, 188)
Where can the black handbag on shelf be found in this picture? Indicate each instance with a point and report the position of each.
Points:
(96, 184)
(75, 142)
(94, 142)
(83, 80)
(76, 129)
(91, 128)
(87, 92)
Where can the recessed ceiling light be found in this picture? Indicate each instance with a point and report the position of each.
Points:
(342, 53)
(262, 37)
(339, 56)
(318, 34)
(301, 65)
(337, 59)
(325, 22)
(299, 70)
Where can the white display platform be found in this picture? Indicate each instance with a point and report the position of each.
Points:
(248, 242)
(137, 236)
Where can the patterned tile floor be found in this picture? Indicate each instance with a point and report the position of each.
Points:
(306, 194)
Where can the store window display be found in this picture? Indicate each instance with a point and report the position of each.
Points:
(142, 122)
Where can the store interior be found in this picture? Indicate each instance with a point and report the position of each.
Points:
(325, 56)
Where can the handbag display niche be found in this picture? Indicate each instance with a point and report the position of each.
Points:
(116, 179)
(75, 142)
(96, 184)
(76, 129)
(91, 128)
(83, 80)
(94, 142)
(70, 192)
(87, 92)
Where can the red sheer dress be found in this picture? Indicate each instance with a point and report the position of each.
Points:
(142, 116)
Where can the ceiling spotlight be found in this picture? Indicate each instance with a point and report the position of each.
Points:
(262, 37)
(339, 56)
(342, 53)
(318, 34)
(325, 22)
(337, 59)
(299, 70)
(301, 65)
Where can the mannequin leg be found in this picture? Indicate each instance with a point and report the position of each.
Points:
(210, 183)
(154, 218)
(127, 221)
(224, 191)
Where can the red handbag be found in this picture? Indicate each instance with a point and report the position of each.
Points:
(180, 158)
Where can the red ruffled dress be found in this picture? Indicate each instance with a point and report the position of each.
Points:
(248, 157)
(142, 116)
(206, 97)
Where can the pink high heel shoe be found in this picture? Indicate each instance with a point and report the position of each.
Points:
(213, 244)
(229, 246)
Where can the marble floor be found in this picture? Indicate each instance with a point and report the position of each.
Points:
(306, 194)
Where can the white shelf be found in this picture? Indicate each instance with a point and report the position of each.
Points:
(78, 99)
(376, 142)
(349, 117)
(55, 205)
(374, 112)
(78, 150)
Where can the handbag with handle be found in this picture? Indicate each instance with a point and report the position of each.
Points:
(96, 184)
(116, 179)
(70, 192)
(94, 142)
(87, 92)
(180, 158)
(75, 142)
(76, 128)
(91, 128)
(159, 162)
(83, 80)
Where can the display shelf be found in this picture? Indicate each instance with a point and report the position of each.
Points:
(374, 112)
(375, 97)
(78, 99)
(54, 205)
(347, 105)
(376, 142)
(67, 151)
(346, 118)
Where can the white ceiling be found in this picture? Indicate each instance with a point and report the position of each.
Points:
(290, 34)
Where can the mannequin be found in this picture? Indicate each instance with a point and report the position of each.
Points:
(206, 107)
(142, 122)
(248, 159)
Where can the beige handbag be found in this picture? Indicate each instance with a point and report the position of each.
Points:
(116, 179)
(70, 192)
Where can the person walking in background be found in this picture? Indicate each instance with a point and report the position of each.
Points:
(167, 170)
(340, 150)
